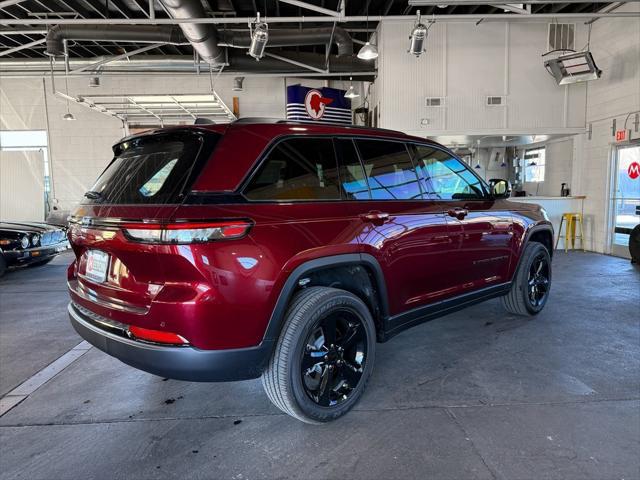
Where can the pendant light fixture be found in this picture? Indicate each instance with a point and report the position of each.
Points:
(68, 116)
(351, 93)
(259, 38)
(418, 37)
(368, 51)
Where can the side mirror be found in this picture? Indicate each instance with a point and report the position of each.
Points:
(500, 188)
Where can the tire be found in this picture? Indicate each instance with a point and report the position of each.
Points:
(521, 299)
(3, 265)
(300, 348)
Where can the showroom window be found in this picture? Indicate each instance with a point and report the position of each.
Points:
(389, 170)
(297, 169)
(28, 140)
(534, 162)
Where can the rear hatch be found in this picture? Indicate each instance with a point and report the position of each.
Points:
(118, 275)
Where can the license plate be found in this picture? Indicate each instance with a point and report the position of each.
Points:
(97, 264)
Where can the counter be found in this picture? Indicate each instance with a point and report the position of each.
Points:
(555, 207)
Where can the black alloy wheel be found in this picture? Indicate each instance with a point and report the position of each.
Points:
(531, 283)
(538, 280)
(324, 356)
(334, 358)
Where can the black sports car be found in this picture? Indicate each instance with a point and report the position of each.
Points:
(28, 243)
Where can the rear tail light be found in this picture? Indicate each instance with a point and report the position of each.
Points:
(186, 232)
(157, 336)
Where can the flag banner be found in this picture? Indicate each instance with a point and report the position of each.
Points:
(318, 105)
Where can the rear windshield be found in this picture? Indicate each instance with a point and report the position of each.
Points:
(155, 169)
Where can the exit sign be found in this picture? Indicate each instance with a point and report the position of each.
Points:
(621, 135)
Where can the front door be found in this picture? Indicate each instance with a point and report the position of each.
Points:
(481, 228)
(405, 233)
(625, 200)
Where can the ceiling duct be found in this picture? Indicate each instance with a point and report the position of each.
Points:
(202, 36)
(113, 33)
(293, 37)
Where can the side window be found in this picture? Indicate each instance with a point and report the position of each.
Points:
(297, 169)
(354, 183)
(445, 177)
(389, 170)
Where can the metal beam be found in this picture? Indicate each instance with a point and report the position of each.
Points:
(310, 6)
(173, 74)
(93, 66)
(9, 3)
(294, 62)
(512, 8)
(418, 3)
(22, 47)
(321, 19)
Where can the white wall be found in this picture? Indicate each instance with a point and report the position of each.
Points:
(466, 63)
(80, 150)
(615, 44)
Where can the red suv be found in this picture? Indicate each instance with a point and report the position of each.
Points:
(283, 250)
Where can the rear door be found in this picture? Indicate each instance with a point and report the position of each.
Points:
(405, 233)
(480, 227)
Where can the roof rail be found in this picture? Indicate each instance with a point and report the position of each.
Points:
(249, 120)
(258, 120)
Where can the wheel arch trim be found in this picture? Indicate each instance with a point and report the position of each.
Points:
(276, 320)
(540, 227)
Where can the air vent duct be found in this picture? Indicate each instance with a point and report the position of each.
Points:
(434, 102)
(561, 36)
(202, 36)
(495, 101)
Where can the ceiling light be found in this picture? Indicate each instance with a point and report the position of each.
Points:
(68, 116)
(259, 38)
(418, 37)
(573, 68)
(368, 52)
(351, 93)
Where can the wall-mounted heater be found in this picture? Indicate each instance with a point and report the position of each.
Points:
(573, 68)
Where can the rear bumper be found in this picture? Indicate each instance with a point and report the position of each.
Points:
(180, 363)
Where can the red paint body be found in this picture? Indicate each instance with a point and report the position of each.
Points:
(220, 295)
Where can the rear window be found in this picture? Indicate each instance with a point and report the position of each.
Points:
(297, 169)
(155, 169)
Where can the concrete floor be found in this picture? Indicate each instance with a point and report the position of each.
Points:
(477, 394)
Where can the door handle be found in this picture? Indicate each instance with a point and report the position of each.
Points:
(375, 217)
(458, 213)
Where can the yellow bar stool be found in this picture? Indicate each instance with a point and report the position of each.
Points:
(569, 220)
